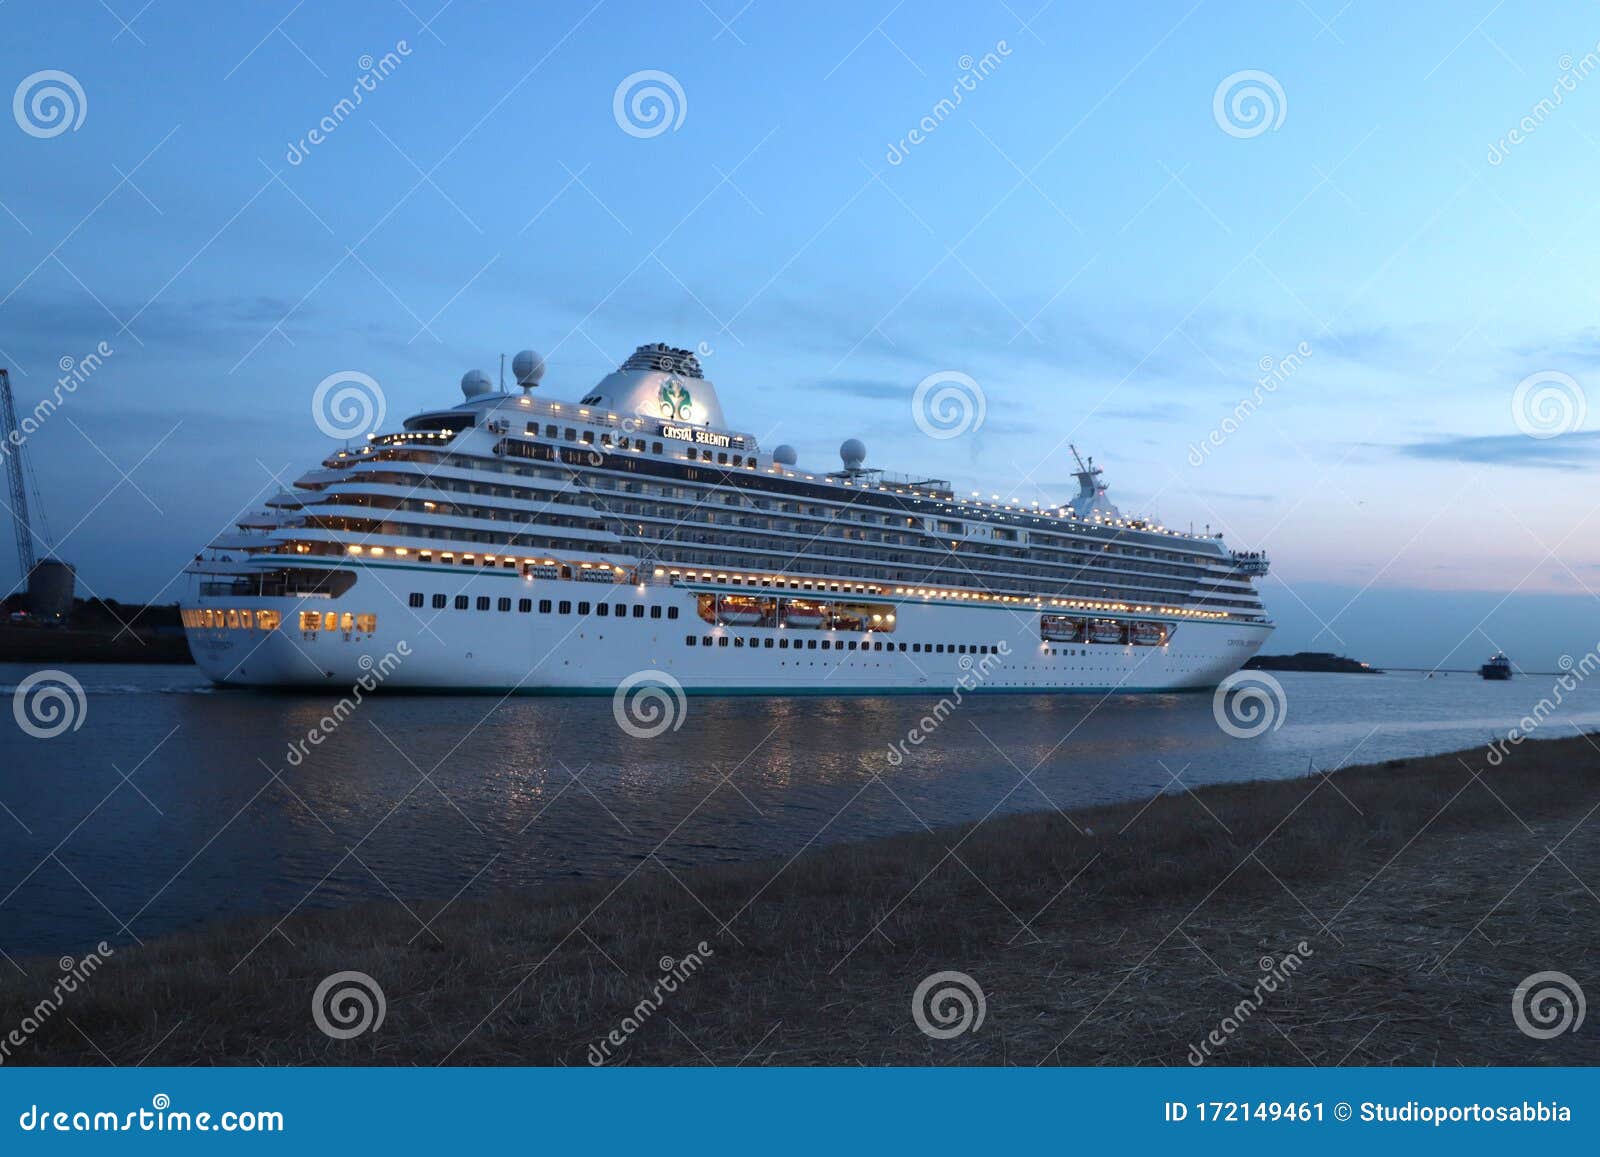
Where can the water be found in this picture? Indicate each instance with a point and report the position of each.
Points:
(429, 795)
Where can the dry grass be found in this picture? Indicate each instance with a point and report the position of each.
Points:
(1426, 891)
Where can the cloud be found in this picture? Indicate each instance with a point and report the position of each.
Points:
(1574, 451)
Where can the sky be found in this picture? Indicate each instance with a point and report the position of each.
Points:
(1391, 227)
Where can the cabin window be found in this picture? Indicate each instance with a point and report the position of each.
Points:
(602, 609)
(504, 604)
(583, 608)
(689, 640)
(483, 602)
(416, 598)
(655, 612)
(566, 607)
(638, 612)
(309, 621)
(366, 624)
(544, 606)
(524, 605)
(439, 601)
(672, 612)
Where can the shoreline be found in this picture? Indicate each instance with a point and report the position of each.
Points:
(1412, 897)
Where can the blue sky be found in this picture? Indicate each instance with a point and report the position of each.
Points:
(1081, 236)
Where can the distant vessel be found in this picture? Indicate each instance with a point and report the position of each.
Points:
(1498, 667)
(517, 543)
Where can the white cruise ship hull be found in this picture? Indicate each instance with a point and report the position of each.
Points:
(933, 646)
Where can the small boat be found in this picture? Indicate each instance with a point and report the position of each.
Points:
(1104, 631)
(598, 575)
(542, 570)
(806, 618)
(1149, 634)
(742, 616)
(1060, 629)
(1497, 668)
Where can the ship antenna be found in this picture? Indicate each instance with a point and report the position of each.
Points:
(502, 373)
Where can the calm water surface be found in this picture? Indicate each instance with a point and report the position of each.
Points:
(162, 811)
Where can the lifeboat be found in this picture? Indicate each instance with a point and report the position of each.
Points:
(741, 616)
(1149, 634)
(805, 618)
(598, 575)
(542, 570)
(1105, 631)
(1060, 629)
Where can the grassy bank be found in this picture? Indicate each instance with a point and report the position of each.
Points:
(1423, 891)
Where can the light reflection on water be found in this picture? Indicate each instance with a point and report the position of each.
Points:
(419, 793)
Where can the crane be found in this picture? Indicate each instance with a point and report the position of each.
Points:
(17, 475)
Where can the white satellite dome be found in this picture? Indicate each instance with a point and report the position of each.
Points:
(785, 455)
(528, 368)
(476, 383)
(853, 453)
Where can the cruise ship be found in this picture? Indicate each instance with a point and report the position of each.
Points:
(513, 543)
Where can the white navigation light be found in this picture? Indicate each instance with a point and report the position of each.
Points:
(528, 368)
(476, 383)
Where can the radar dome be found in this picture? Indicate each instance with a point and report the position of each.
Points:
(853, 453)
(476, 383)
(785, 456)
(528, 367)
